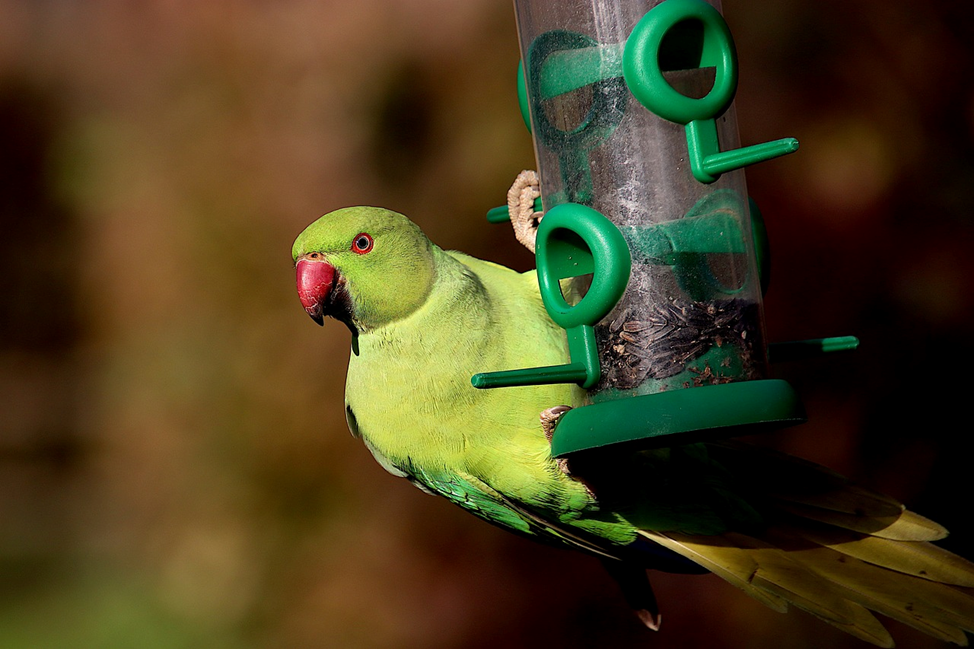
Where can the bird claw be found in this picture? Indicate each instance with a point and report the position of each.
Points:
(549, 419)
(520, 206)
(651, 619)
(637, 591)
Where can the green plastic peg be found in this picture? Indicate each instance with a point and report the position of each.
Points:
(802, 349)
(502, 215)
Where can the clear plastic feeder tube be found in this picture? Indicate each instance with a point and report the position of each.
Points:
(691, 314)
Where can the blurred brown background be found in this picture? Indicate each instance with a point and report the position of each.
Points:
(175, 470)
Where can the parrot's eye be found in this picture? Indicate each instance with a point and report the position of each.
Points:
(362, 243)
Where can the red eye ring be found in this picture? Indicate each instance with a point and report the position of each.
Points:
(362, 243)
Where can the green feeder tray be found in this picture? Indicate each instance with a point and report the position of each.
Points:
(680, 416)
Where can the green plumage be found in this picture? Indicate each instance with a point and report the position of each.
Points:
(425, 320)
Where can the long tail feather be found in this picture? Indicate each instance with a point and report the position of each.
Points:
(905, 526)
(933, 608)
(779, 576)
(919, 559)
(732, 567)
(834, 549)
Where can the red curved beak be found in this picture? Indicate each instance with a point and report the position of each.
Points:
(315, 279)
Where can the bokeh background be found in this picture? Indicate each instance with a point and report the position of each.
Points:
(175, 470)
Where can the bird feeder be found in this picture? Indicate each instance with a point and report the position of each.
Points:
(650, 253)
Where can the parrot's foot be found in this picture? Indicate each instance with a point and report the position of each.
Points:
(549, 419)
(520, 205)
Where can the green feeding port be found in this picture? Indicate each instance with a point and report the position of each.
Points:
(573, 241)
(672, 40)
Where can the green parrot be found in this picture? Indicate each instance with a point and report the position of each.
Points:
(785, 531)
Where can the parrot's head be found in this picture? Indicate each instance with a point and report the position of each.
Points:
(365, 266)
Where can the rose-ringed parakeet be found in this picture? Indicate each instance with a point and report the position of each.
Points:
(785, 531)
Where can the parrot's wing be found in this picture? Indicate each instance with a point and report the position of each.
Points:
(481, 499)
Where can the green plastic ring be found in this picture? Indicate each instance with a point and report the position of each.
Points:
(573, 240)
(641, 69)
